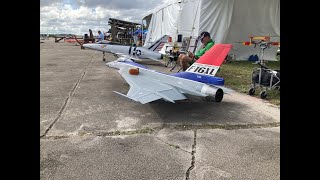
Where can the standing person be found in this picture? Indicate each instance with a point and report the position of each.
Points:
(100, 36)
(187, 60)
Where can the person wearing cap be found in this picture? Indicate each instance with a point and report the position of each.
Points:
(187, 60)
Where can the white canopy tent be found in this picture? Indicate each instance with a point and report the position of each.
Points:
(228, 21)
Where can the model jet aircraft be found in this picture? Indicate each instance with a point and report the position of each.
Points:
(198, 80)
(131, 52)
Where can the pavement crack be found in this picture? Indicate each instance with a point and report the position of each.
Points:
(193, 159)
(105, 134)
(172, 145)
(71, 93)
(184, 127)
(146, 130)
(222, 126)
(56, 137)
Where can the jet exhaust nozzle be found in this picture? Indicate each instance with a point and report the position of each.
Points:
(214, 94)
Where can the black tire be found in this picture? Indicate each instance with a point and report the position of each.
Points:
(219, 95)
(263, 94)
(251, 91)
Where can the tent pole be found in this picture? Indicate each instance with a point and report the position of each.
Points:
(142, 33)
(187, 49)
(195, 16)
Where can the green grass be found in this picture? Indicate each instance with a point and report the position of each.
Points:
(237, 75)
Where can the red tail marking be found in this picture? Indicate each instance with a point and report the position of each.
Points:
(215, 55)
(160, 46)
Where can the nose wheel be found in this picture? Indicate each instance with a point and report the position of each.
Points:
(103, 59)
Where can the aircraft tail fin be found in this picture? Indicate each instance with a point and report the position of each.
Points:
(209, 63)
(158, 44)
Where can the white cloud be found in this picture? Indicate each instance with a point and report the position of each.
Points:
(78, 16)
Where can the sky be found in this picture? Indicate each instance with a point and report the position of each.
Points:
(78, 16)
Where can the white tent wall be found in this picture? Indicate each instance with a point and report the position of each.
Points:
(216, 18)
(248, 17)
(188, 23)
(169, 24)
(229, 21)
(163, 22)
(174, 18)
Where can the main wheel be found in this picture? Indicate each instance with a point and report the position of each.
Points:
(251, 91)
(263, 94)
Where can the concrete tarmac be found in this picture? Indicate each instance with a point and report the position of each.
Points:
(89, 132)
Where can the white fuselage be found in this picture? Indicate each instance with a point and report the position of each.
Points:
(185, 86)
(138, 52)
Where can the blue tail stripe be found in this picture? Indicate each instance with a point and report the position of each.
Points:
(200, 78)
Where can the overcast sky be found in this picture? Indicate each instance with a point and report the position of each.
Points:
(78, 16)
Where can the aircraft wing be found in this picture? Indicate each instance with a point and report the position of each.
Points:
(145, 89)
(126, 56)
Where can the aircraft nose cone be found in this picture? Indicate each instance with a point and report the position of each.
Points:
(86, 45)
(110, 64)
(90, 46)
